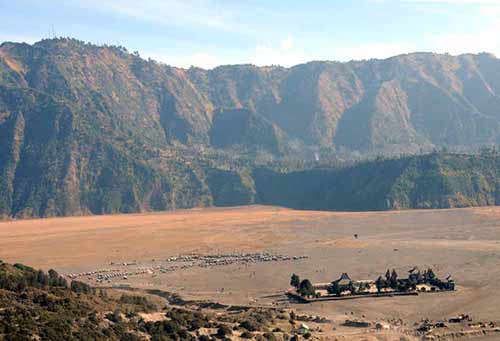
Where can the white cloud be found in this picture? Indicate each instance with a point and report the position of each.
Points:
(490, 11)
(286, 44)
(485, 40)
(19, 38)
(199, 59)
(283, 53)
(287, 53)
(169, 12)
(464, 39)
(372, 50)
(481, 39)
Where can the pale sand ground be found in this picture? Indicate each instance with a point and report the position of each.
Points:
(462, 242)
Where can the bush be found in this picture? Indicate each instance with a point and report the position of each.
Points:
(306, 288)
(114, 316)
(269, 337)
(246, 335)
(223, 331)
(250, 325)
(81, 288)
(295, 281)
(140, 301)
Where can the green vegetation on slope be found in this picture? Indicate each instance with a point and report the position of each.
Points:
(35, 305)
(437, 180)
(88, 129)
(230, 188)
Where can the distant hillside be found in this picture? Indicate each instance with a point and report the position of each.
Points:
(89, 130)
(417, 182)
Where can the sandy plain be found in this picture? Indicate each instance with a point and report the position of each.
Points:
(462, 242)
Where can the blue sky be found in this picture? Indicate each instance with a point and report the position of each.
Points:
(207, 33)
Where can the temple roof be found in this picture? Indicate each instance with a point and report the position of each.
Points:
(344, 279)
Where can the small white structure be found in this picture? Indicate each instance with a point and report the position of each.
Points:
(382, 326)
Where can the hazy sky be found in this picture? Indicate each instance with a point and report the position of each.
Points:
(207, 33)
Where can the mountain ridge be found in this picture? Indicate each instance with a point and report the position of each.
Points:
(95, 129)
(316, 103)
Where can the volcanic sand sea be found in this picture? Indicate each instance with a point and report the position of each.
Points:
(462, 242)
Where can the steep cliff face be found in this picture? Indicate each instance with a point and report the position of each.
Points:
(241, 127)
(54, 163)
(87, 129)
(406, 102)
(77, 130)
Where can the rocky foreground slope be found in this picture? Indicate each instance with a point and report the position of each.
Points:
(43, 306)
